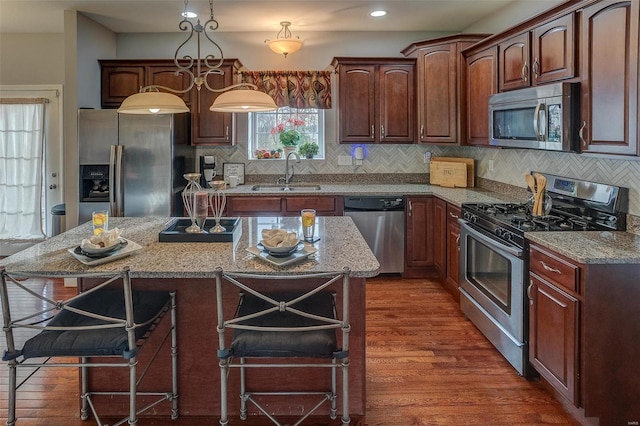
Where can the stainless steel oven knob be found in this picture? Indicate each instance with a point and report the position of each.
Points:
(470, 217)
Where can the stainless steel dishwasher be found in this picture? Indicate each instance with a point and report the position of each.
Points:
(380, 220)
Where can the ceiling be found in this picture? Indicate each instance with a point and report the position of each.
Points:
(132, 16)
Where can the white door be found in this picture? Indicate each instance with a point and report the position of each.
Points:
(52, 192)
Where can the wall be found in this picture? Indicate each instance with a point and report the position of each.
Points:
(44, 63)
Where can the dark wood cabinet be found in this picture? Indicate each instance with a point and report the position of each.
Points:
(376, 101)
(553, 321)
(419, 236)
(540, 56)
(582, 327)
(440, 237)
(452, 279)
(438, 87)
(480, 82)
(122, 78)
(609, 77)
(268, 205)
(210, 127)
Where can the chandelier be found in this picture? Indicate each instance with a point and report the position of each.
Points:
(284, 42)
(151, 100)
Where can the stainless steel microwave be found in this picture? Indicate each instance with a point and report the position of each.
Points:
(542, 117)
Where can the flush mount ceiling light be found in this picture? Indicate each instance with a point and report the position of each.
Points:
(284, 42)
(378, 13)
(151, 100)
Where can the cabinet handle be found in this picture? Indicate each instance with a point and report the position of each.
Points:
(410, 208)
(529, 292)
(549, 268)
(373, 130)
(422, 131)
(226, 133)
(536, 65)
(455, 216)
(458, 241)
(581, 134)
(382, 131)
(525, 71)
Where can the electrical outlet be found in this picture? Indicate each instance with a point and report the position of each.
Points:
(344, 160)
(427, 157)
(491, 165)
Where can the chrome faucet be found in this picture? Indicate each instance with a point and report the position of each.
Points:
(287, 176)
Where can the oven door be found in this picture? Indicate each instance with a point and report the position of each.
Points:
(492, 280)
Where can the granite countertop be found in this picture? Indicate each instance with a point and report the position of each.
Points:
(591, 247)
(341, 245)
(455, 196)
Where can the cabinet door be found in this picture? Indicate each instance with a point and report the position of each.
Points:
(437, 94)
(514, 62)
(357, 102)
(254, 206)
(419, 232)
(453, 251)
(119, 82)
(553, 48)
(166, 76)
(324, 206)
(440, 236)
(209, 127)
(609, 57)
(480, 83)
(553, 336)
(396, 86)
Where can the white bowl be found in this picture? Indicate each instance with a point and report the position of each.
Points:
(104, 250)
(282, 250)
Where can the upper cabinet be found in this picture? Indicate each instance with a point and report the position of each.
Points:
(480, 82)
(122, 78)
(439, 65)
(376, 100)
(609, 77)
(542, 55)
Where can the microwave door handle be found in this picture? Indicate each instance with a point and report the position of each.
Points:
(536, 121)
(542, 123)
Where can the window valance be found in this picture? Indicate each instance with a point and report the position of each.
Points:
(295, 89)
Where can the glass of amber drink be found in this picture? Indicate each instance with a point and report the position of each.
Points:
(308, 223)
(100, 219)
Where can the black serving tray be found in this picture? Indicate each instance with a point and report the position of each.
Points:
(175, 231)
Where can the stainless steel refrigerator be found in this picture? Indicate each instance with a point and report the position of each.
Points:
(133, 165)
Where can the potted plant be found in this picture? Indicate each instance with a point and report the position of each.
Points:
(288, 134)
(308, 149)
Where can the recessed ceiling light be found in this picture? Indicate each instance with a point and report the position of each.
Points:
(189, 15)
(378, 13)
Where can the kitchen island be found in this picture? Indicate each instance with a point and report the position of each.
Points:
(188, 268)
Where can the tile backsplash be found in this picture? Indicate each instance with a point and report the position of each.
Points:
(502, 165)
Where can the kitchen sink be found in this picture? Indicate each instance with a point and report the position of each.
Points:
(278, 187)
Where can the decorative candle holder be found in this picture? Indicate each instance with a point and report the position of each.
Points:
(190, 200)
(218, 202)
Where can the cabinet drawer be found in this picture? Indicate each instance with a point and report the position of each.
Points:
(247, 205)
(453, 212)
(553, 268)
(320, 204)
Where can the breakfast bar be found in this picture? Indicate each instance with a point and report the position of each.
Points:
(188, 268)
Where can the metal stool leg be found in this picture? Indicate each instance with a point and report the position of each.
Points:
(84, 409)
(243, 390)
(11, 415)
(174, 359)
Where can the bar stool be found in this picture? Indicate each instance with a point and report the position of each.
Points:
(284, 329)
(109, 320)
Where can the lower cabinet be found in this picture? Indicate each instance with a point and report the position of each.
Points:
(554, 322)
(446, 233)
(419, 236)
(283, 206)
(452, 279)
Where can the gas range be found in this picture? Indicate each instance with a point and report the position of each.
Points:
(576, 206)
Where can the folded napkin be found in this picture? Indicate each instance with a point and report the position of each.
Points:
(105, 239)
(279, 238)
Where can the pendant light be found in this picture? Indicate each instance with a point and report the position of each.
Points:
(245, 97)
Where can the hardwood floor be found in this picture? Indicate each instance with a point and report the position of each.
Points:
(426, 365)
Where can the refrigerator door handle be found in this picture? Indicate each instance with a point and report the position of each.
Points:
(112, 179)
(119, 182)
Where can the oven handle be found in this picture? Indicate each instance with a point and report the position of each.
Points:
(482, 236)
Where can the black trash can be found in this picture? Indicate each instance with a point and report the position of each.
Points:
(58, 213)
